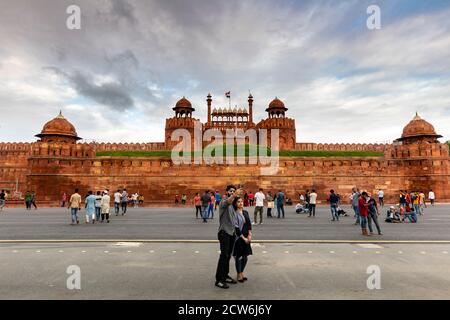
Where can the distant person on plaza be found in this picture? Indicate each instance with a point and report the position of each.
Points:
(431, 197)
(402, 200)
(307, 199)
(381, 197)
(211, 206)
(141, 199)
(415, 198)
(259, 208)
(28, 198)
(422, 203)
(243, 230)
(134, 199)
(33, 200)
(105, 205)
(183, 199)
(408, 199)
(124, 199)
(218, 197)
(63, 200)
(251, 199)
(177, 199)
(98, 206)
(301, 198)
(226, 236)
(280, 203)
(246, 201)
(270, 204)
(74, 206)
(312, 198)
(198, 205)
(206, 199)
(2, 200)
(90, 206)
(117, 201)
(363, 212)
(333, 199)
(373, 215)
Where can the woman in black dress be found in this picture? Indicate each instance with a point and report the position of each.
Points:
(242, 248)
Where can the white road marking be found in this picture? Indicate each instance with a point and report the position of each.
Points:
(151, 251)
(129, 244)
(129, 251)
(310, 252)
(174, 251)
(106, 251)
(369, 246)
(197, 251)
(331, 251)
(286, 252)
(423, 252)
(377, 252)
(264, 252)
(400, 252)
(445, 252)
(355, 252)
(60, 251)
(38, 251)
(84, 251)
(15, 251)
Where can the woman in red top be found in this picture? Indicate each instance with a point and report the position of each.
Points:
(363, 212)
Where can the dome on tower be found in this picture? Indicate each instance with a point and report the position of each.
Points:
(183, 103)
(418, 128)
(59, 126)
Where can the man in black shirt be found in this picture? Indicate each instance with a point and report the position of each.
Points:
(206, 200)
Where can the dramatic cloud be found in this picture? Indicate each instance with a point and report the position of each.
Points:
(118, 77)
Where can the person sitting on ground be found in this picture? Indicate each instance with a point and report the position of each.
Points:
(409, 214)
(299, 208)
(392, 215)
(341, 212)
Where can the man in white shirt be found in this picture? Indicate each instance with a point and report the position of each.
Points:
(312, 203)
(259, 197)
(381, 197)
(117, 197)
(432, 197)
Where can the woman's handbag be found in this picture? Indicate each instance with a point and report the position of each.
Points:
(270, 204)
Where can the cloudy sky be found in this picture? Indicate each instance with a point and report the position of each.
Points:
(118, 77)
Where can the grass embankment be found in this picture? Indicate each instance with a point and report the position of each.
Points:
(208, 151)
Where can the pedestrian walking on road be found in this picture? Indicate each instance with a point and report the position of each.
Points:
(334, 201)
(63, 200)
(98, 206)
(312, 198)
(270, 204)
(198, 205)
(124, 203)
(381, 198)
(363, 212)
(373, 215)
(33, 200)
(243, 230)
(280, 203)
(206, 200)
(2, 200)
(90, 206)
(28, 200)
(117, 201)
(226, 236)
(354, 198)
(259, 208)
(431, 197)
(105, 206)
(74, 206)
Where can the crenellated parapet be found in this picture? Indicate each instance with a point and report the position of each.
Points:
(421, 149)
(59, 149)
(150, 146)
(276, 123)
(15, 146)
(176, 123)
(374, 147)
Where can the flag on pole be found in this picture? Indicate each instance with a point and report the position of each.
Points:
(228, 94)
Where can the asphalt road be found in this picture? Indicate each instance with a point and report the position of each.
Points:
(186, 271)
(180, 223)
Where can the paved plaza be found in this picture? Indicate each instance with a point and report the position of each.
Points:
(180, 224)
(127, 259)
